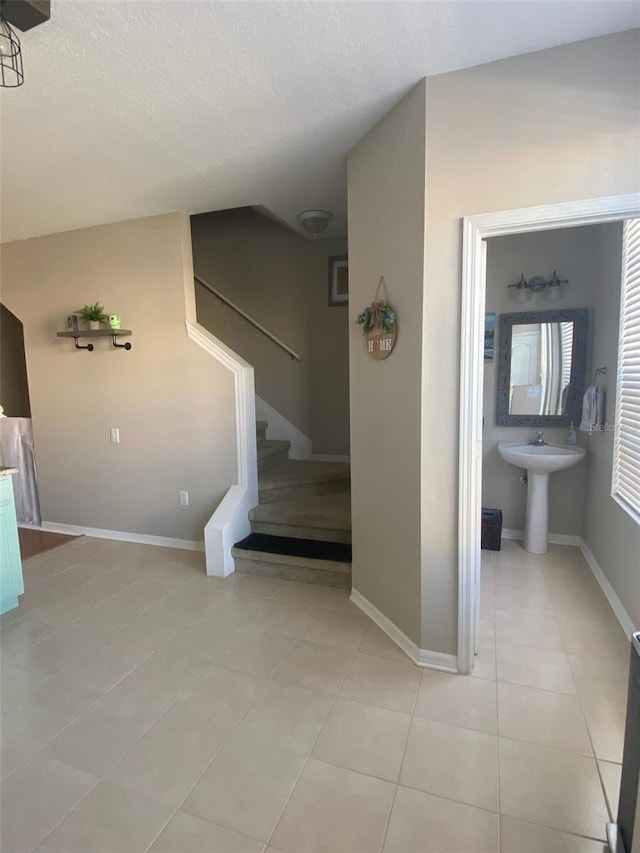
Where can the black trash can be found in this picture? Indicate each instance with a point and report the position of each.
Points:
(491, 530)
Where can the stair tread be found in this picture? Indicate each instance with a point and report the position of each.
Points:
(260, 546)
(301, 471)
(269, 447)
(332, 511)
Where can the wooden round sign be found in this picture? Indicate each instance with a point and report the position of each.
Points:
(379, 343)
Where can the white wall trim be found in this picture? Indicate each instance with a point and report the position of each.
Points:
(119, 535)
(421, 657)
(230, 521)
(626, 622)
(278, 427)
(476, 229)
(554, 538)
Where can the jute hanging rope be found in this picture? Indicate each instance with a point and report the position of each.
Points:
(379, 324)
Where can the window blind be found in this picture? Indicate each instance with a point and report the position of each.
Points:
(626, 464)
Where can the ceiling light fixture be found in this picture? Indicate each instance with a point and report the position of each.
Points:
(11, 73)
(314, 221)
(23, 14)
(524, 289)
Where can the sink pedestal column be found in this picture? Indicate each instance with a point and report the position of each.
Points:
(536, 529)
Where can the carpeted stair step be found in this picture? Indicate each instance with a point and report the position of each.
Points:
(322, 517)
(302, 478)
(302, 560)
(272, 452)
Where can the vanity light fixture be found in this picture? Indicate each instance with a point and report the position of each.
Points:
(553, 289)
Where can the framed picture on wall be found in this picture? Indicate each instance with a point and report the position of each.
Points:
(339, 280)
(489, 336)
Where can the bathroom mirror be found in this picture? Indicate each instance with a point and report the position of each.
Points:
(542, 368)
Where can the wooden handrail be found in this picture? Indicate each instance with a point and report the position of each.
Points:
(248, 318)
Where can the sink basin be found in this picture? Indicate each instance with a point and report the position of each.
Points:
(540, 460)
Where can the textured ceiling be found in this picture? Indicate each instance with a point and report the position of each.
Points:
(136, 108)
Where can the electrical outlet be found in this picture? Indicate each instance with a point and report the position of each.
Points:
(115, 435)
(184, 498)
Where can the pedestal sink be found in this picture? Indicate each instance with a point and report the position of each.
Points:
(540, 461)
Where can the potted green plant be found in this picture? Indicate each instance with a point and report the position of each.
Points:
(93, 315)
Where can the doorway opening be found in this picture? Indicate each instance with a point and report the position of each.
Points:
(476, 230)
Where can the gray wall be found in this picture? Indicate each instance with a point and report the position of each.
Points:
(573, 253)
(610, 533)
(280, 279)
(172, 402)
(14, 384)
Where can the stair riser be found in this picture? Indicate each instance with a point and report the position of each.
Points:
(303, 490)
(295, 532)
(274, 459)
(321, 577)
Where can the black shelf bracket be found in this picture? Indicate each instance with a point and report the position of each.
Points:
(83, 346)
(126, 346)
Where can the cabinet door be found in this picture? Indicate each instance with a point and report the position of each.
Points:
(11, 585)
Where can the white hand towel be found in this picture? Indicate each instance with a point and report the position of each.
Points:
(592, 409)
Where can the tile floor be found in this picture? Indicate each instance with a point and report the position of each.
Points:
(146, 707)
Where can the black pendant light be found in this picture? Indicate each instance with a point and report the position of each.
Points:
(23, 14)
(11, 74)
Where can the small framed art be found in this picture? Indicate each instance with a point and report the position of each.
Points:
(339, 280)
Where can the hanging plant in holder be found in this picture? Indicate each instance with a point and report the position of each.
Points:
(379, 324)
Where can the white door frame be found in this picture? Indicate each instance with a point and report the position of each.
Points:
(475, 230)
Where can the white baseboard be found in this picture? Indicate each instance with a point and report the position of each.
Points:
(554, 538)
(421, 657)
(121, 535)
(283, 430)
(330, 457)
(626, 622)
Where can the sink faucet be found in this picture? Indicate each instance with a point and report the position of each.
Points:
(539, 441)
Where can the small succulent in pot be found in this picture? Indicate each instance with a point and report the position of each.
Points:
(93, 315)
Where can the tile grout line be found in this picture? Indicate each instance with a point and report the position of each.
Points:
(583, 715)
(579, 698)
(404, 754)
(317, 738)
(106, 779)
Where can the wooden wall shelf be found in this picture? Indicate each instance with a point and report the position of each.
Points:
(97, 333)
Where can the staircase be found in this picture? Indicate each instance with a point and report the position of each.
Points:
(301, 528)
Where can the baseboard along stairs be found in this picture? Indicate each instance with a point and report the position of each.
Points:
(301, 528)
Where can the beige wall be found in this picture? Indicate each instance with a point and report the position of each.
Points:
(280, 279)
(573, 253)
(386, 237)
(609, 532)
(552, 126)
(172, 402)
